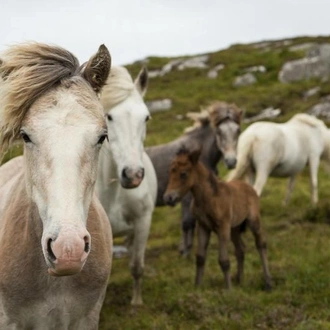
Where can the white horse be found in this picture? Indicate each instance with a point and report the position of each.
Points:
(282, 150)
(52, 226)
(124, 165)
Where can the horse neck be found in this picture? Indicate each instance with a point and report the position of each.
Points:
(21, 221)
(205, 186)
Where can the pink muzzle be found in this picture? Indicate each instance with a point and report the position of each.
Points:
(68, 252)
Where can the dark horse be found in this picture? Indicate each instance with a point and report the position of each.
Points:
(216, 130)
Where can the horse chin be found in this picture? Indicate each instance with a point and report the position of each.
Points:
(130, 184)
(65, 267)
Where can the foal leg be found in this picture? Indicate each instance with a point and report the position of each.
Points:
(223, 239)
(239, 252)
(261, 245)
(202, 244)
(188, 226)
(314, 162)
(291, 183)
(137, 251)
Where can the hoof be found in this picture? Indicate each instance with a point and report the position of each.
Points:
(268, 287)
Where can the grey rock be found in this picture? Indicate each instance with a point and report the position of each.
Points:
(311, 92)
(256, 68)
(321, 109)
(316, 64)
(159, 105)
(245, 80)
(213, 73)
(268, 113)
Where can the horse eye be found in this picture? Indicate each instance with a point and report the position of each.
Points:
(109, 117)
(25, 137)
(102, 138)
(147, 118)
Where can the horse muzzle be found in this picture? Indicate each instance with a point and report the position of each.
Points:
(131, 178)
(67, 254)
(230, 163)
(171, 199)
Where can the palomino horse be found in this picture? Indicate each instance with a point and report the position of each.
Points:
(218, 207)
(124, 165)
(282, 150)
(51, 223)
(216, 129)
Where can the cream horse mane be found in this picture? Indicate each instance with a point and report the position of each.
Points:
(26, 72)
(119, 86)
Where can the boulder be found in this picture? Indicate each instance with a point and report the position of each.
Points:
(159, 105)
(316, 64)
(256, 68)
(268, 113)
(245, 80)
(321, 109)
(213, 73)
(311, 92)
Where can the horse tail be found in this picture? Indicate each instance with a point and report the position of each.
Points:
(244, 150)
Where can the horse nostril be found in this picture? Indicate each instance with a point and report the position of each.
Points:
(141, 173)
(87, 245)
(51, 254)
(124, 173)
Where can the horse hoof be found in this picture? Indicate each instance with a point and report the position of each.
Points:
(268, 287)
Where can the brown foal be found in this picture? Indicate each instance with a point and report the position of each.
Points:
(222, 207)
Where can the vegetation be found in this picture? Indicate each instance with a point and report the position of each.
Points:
(298, 235)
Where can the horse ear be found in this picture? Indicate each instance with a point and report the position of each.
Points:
(141, 81)
(194, 155)
(97, 69)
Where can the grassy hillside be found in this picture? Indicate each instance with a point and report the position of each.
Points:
(298, 235)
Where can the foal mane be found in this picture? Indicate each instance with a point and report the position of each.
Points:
(214, 114)
(27, 71)
(119, 86)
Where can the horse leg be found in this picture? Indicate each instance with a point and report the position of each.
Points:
(314, 162)
(239, 252)
(291, 183)
(202, 244)
(261, 245)
(261, 179)
(188, 226)
(137, 250)
(223, 259)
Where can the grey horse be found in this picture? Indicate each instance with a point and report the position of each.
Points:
(216, 131)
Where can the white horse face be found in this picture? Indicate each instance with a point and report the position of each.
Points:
(127, 130)
(227, 133)
(62, 144)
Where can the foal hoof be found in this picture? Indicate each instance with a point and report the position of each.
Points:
(268, 287)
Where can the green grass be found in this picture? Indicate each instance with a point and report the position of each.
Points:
(298, 235)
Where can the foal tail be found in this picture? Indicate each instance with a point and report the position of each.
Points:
(244, 150)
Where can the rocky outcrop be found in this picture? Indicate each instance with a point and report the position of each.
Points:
(159, 105)
(316, 64)
(256, 68)
(245, 80)
(321, 109)
(213, 73)
(311, 92)
(268, 113)
(198, 62)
